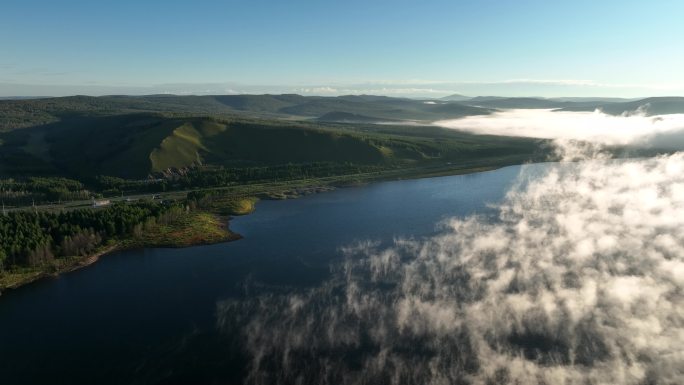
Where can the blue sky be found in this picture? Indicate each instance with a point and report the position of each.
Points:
(415, 48)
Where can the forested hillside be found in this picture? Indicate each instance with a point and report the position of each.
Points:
(142, 145)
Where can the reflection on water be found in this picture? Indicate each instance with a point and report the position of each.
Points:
(151, 316)
(579, 279)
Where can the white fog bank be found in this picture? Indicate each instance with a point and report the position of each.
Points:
(589, 126)
(580, 280)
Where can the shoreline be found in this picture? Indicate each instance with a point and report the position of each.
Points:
(275, 187)
(293, 192)
(76, 264)
(73, 263)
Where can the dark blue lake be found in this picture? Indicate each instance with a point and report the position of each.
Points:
(149, 316)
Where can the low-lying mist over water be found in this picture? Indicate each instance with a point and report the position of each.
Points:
(578, 279)
(595, 126)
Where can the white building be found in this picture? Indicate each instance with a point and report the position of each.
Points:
(101, 203)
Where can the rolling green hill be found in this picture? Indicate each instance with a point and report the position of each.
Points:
(455, 98)
(141, 144)
(136, 145)
(137, 136)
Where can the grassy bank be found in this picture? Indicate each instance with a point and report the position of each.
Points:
(196, 228)
(21, 276)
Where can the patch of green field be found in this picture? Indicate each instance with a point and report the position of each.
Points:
(180, 149)
(193, 228)
(233, 205)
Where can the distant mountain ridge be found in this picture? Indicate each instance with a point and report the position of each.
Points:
(455, 98)
(348, 108)
(27, 113)
(648, 106)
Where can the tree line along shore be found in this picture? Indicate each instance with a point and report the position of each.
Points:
(42, 241)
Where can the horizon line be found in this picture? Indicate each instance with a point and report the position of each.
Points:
(520, 96)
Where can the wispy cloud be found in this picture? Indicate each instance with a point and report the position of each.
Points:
(561, 82)
(578, 280)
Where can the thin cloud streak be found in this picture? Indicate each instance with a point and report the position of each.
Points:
(405, 88)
